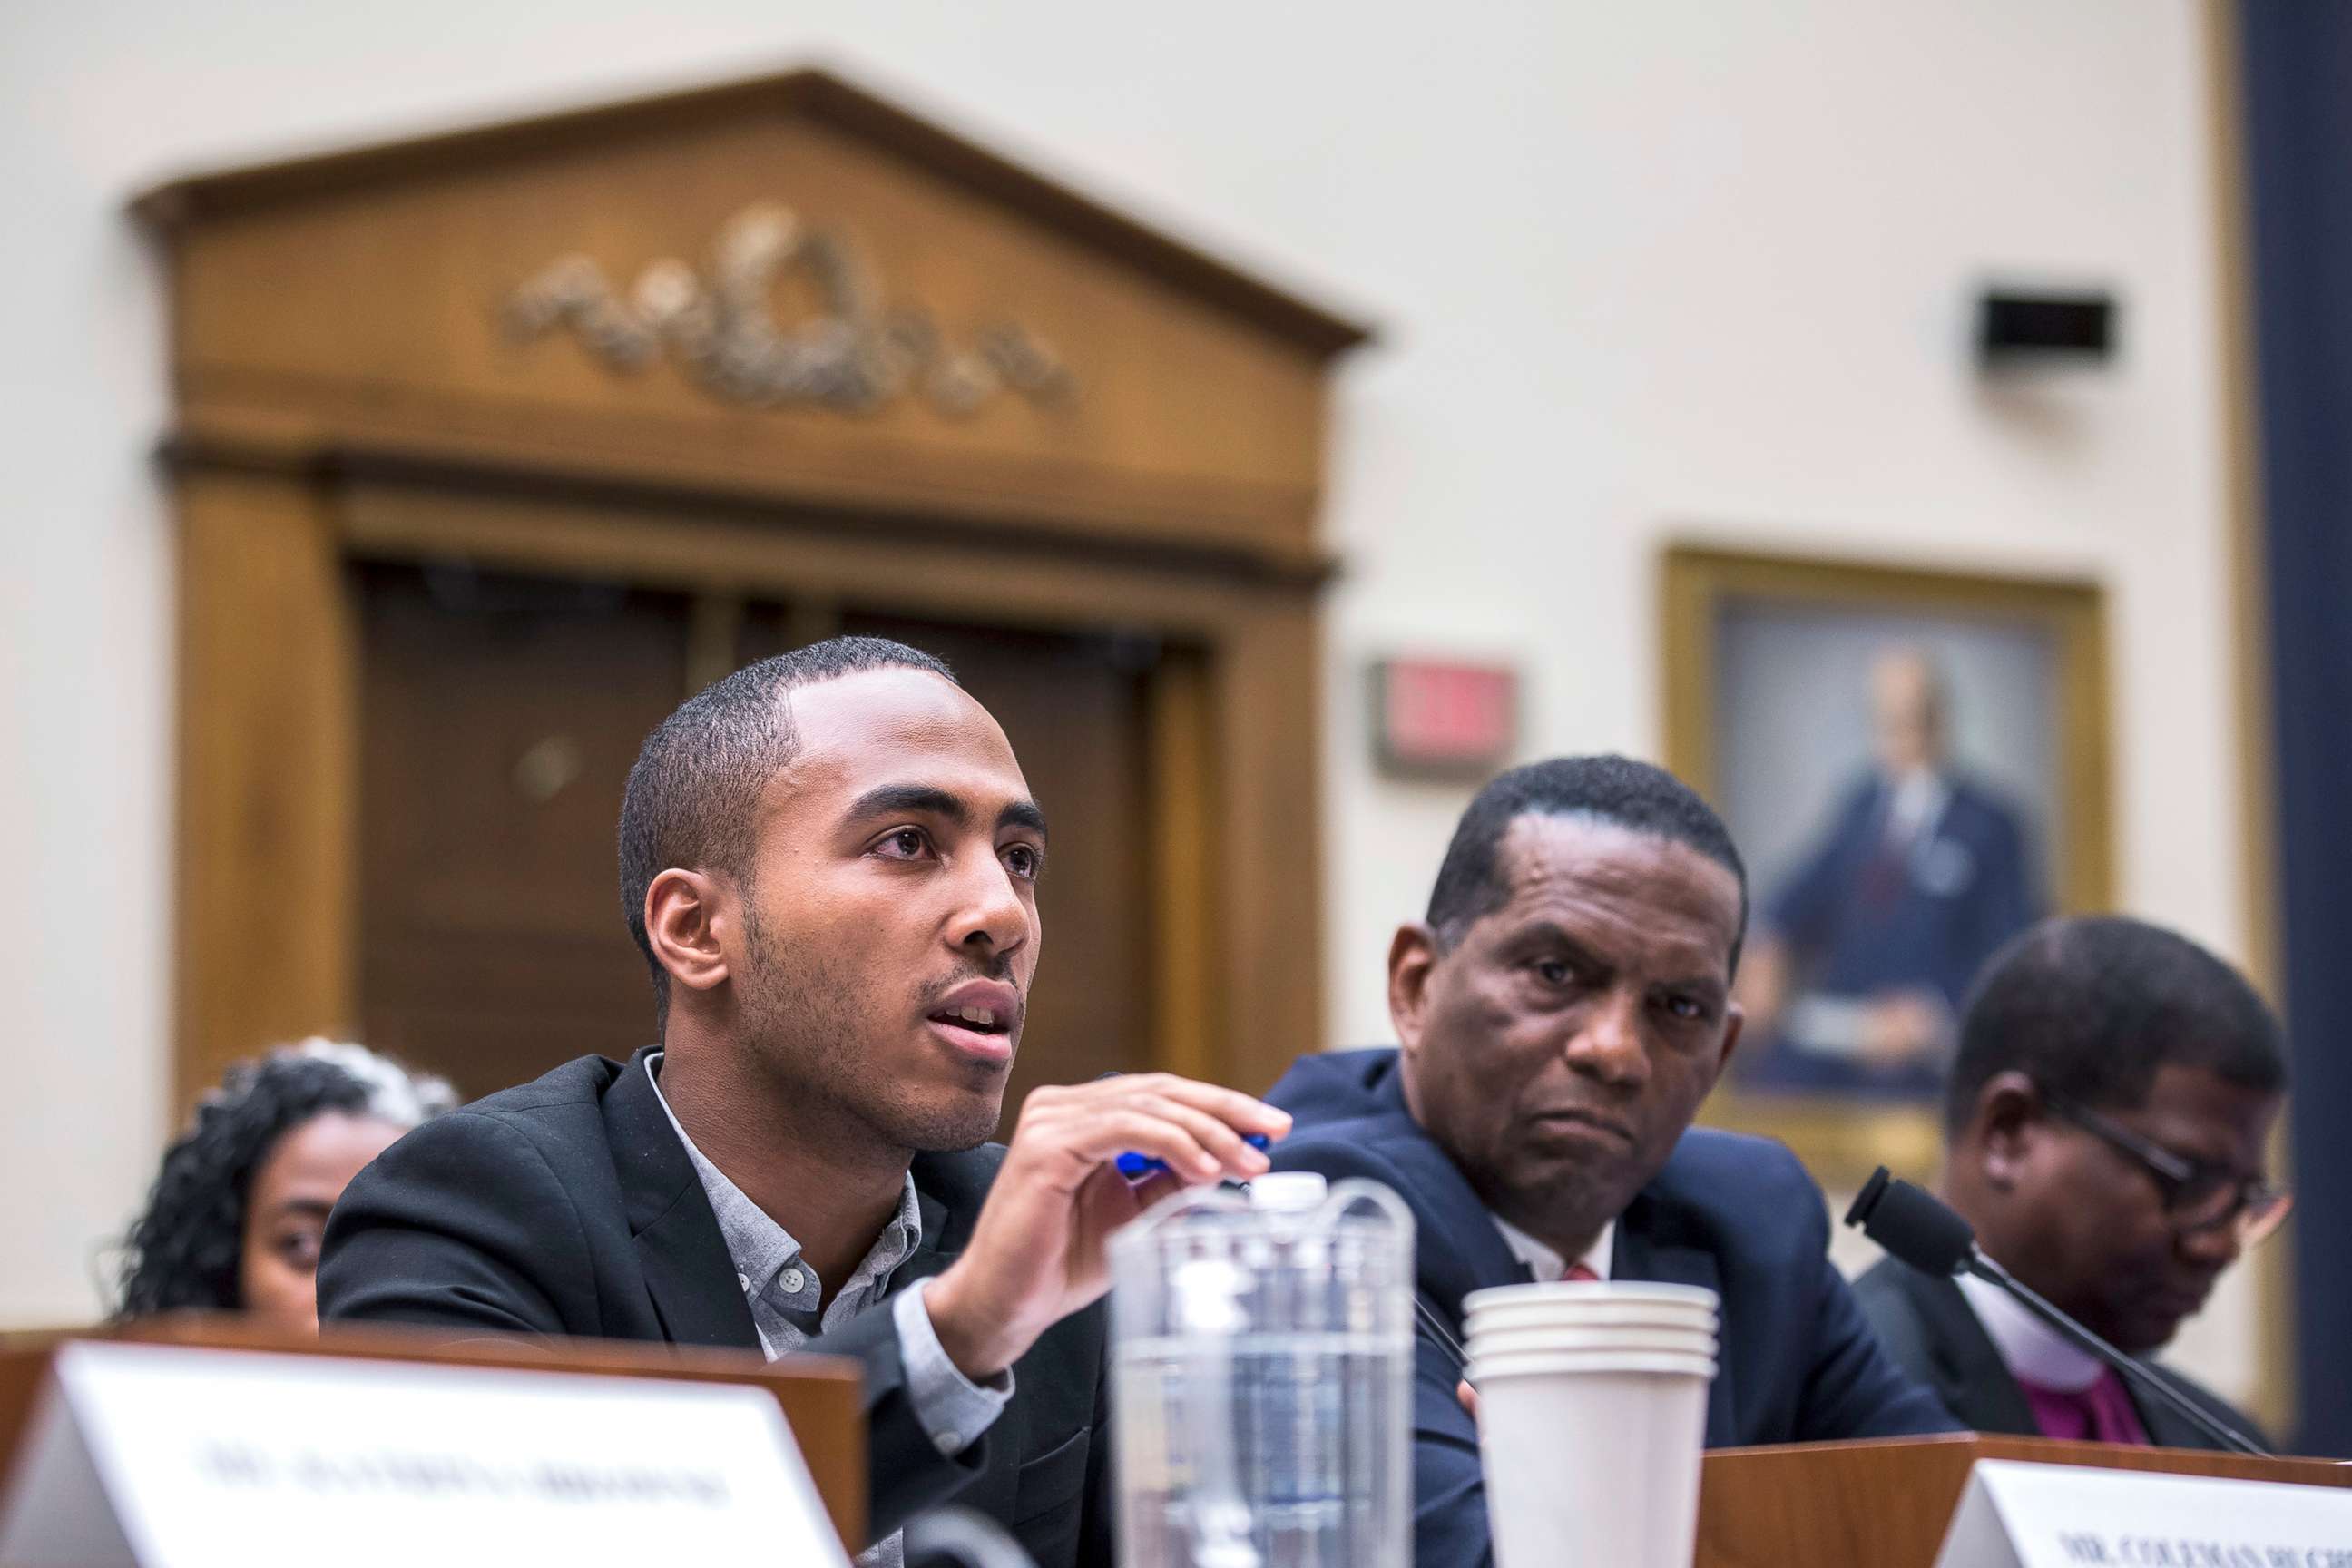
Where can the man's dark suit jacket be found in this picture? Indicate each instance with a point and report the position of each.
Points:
(1735, 1215)
(568, 1207)
(1928, 1326)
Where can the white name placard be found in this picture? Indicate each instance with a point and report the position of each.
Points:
(2016, 1515)
(163, 1457)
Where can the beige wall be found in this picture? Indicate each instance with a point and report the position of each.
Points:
(1646, 271)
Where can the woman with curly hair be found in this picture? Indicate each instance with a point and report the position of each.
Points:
(234, 1222)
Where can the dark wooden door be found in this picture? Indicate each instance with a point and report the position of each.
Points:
(500, 718)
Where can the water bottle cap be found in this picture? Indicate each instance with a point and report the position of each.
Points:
(1286, 1190)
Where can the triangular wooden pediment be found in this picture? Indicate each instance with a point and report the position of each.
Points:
(785, 287)
(809, 96)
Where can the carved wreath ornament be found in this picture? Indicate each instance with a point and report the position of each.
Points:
(719, 326)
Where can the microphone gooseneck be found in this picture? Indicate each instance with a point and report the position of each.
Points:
(1917, 1227)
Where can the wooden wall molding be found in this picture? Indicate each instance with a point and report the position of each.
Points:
(861, 349)
(1262, 528)
(809, 94)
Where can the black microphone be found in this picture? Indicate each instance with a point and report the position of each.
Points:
(1914, 1226)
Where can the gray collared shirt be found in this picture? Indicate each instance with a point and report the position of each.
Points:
(782, 1292)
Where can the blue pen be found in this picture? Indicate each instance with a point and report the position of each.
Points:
(1135, 1166)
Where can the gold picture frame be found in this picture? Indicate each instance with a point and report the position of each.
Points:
(1843, 1138)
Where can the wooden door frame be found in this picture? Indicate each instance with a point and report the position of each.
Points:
(269, 702)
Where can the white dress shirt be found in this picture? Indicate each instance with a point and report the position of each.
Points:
(1548, 1264)
(784, 1292)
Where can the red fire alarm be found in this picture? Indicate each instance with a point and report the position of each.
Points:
(1431, 717)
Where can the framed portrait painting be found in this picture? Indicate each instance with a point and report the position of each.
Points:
(1915, 765)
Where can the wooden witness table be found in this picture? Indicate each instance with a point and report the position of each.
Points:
(820, 1395)
(1884, 1504)
(1881, 1504)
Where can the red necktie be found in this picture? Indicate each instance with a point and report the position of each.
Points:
(1580, 1274)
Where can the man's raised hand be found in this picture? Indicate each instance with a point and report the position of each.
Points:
(1037, 1251)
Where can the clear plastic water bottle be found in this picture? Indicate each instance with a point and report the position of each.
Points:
(1262, 1378)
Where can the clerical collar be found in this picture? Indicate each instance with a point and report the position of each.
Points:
(2033, 1351)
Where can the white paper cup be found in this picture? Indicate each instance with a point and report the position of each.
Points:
(1513, 1363)
(1499, 1320)
(1553, 1341)
(1594, 1314)
(1592, 1290)
(1592, 1458)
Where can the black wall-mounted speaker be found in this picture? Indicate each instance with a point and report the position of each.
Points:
(2014, 327)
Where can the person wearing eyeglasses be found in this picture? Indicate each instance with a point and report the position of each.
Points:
(2106, 1120)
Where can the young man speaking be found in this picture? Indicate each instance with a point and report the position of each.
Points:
(830, 861)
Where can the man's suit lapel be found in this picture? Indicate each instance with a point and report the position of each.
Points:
(1978, 1388)
(1475, 1256)
(2167, 1428)
(995, 1491)
(1648, 1247)
(1974, 1382)
(687, 1271)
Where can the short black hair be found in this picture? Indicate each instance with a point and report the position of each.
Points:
(183, 1251)
(2091, 1007)
(693, 796)
(1472, 882)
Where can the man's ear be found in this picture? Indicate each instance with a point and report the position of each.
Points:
(2009, 1119)
(1412, 958)
(685, 914)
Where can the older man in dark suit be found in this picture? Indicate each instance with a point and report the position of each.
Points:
(829, 860)
(1561, 1012)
